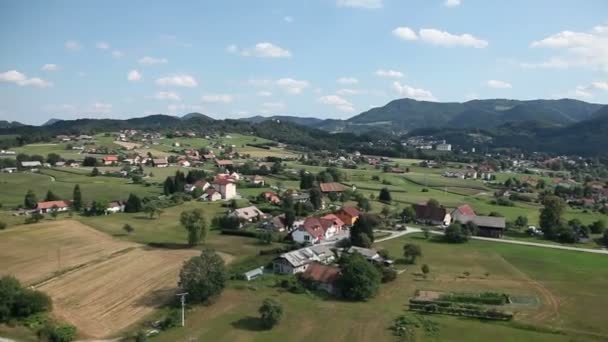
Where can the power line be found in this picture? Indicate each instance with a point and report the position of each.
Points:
(183, 300)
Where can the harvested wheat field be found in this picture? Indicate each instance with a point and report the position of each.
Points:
(33, 253)
(103, 285)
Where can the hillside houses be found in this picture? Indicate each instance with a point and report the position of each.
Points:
(299, 260)
(48, 206)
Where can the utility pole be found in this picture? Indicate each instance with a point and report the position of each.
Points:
(183, 300)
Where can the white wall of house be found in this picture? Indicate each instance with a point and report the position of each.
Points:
(302, 236)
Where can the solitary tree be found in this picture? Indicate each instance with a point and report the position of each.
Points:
(128, 228)
(194, 222)
(456, 233)
(133, 204)
(425, 269)
(203, 277)
(551, 216)
(411, 252)
(77, 198)
(95, 172)
(150, 209)
(384, 196)
(598, 227)
(359, 279)
(521, 221)
(30, 201)
(271, 312)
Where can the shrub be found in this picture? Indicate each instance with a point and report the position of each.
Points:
(57, 332)
(271, 313)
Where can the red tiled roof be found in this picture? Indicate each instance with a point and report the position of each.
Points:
(351, 211)
(333, 218)
(223, 162)
(50, 204)
(110, 158)
(322, 273)
(332, 187)
(466, 209)
(200, 183)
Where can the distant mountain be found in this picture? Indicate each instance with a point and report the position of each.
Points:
(310, 122)
(198, 116)
(408, 114)
(50, 122)
(10, 124)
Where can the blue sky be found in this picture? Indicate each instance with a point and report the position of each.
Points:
(322, 58)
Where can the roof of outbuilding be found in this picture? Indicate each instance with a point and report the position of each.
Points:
(322, 273)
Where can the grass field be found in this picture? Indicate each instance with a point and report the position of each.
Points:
(61, 182)
(569, 286)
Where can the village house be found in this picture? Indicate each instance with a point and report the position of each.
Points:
(223, 163)
(488, 226)
(348, 215)
(276, 223)
(115, 207)
(48, 206)
(257, 180)
(110, 160)
(298, 261)
(464, 210)
(432, 215)
(333, 187)
(271, 197)
(368, 253)
(248, 214)
(226, 186)
(183, 163)
(323, 277)
(313, 230)
(160, 162)
(211, 195)
(31, 164)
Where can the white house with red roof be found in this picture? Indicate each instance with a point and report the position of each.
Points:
(226, 186)
(314, 229)
(48, 206)
(461, 211)
(110, 160)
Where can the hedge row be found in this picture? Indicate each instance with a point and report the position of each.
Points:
(455, 309)
(487, 298)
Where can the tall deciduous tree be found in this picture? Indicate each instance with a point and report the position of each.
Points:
(203, 277)
(551, 216)
(77, 198)
(271, 312)
(194, 222)
(411, 252)
(364, 226)
(359, 279)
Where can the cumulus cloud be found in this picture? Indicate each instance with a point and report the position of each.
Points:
(414, 93)
(151, 60)
(440, 38)
(102, 45)
(264, 93)
(497, 84)
(72, 45)
(133, 75)
(50, 67)
(588, 91)
(20, 79)
(389, 73)
(452, 3)
(405, 33)
(443, 38)
(579, 49)
(167, 95)
(217, 98)
(261, 50)
(338, 102)
(292, 86)
(360, 3)
(600, 85)
(180, 80)
(347, 80)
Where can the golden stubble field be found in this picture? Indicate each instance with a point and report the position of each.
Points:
(99, 284)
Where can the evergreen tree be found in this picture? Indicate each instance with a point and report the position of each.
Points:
(30, 201)
(384, 196)
(315, 198)
(77, 198)
(168, 186)
(551, 216)
(50, 196)
(133, 204)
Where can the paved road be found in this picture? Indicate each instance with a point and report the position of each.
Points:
(535, 244)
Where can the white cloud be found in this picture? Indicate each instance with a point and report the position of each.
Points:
(151, 60)
(14, 76)
(340, 103)
(452, 3)
(347, 80)
(217, 98)
(389, 73)
(183, 108)
(443, 38)
(292, 86)
(264, 93)
(497, 84)
(288, 19)
(580, 49)
(262, 50)
(347, 92)
(360, 3)
(582, 92)
(117, 54)
(180, 80)
(414, 93)
(405, 33)
(600, 85)
(133, 75)
(167, 95)
(440, 38)
(72, 45)
(50, 67)
(102, 45)
(272, 107)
